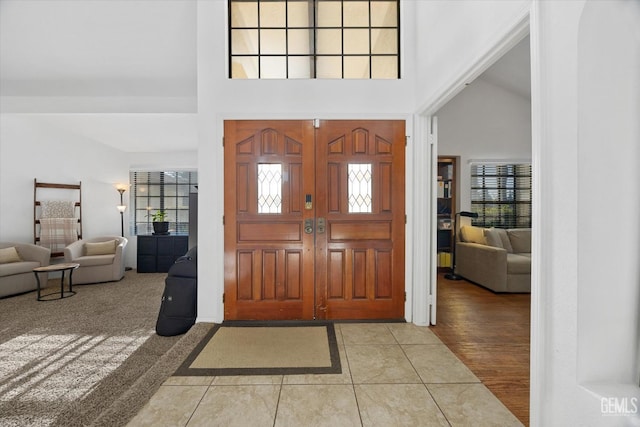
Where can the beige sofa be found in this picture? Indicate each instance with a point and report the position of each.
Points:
(17, 277)
(101, 259)
(495, 258)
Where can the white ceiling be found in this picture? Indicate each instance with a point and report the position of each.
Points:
(513, 71)
(124, 73)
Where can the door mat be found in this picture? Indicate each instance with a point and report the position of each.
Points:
(265, 348)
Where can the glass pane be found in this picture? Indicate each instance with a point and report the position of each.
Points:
(300, 42)
(300, 14)
(356, 14)
(170, 190)
(244, 14)
(356, 67)
(272, 14)
(183, 190)
(273, 42)
(300, 67)
(384, 41)
(170, 203)
(244, 67)
(329, 14)
(244, 42)
(384, 14)
(360, 188)
(329, 41)
(269, 188)
(154, 190)
(169, 177)
(273, 67)
(356, 41)
(329, 67)
(384, 67)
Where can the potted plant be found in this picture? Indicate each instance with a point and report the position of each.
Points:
(160, 224)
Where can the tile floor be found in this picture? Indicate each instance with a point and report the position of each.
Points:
(393, 374)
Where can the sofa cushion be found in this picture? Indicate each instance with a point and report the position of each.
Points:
(9, 255)
(86, 261)
(520, 239)
(473, 234)
(493, 238)
(100, 248)
(518, 264)
(17, 268)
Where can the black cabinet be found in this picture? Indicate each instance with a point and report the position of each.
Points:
(156, 254)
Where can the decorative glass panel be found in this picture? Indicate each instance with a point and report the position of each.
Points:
(269, 188)
(360, 179)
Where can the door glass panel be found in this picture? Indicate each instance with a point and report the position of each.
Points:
(269, 188)
(360, 188)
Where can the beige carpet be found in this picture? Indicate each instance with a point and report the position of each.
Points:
(89, 360)
(265, 349)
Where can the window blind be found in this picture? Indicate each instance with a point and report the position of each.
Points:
(161, 190)
(501, 195)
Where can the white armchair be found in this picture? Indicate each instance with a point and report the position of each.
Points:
(101, 259)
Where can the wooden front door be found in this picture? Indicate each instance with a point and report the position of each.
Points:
(314, 220)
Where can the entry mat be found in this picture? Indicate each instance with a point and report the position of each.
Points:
(265, 348)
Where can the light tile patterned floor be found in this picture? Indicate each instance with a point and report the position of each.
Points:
(393, 374)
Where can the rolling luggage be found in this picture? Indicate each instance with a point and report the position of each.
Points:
(178, 308)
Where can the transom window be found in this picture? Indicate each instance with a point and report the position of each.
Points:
(501, 195)
(307, 39)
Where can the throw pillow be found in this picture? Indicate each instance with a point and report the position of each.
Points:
(473, 234)
(8, 255)
(506, 243)
(101, 248)
(493, 238)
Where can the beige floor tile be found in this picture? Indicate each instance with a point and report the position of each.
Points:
(343, 378)
(248, 380)
(245, 405)
(380, 364)
(366, 333)
(397, 405)
(471, 405)
(189, 380)
(317, 405)
(170, 406)
(408, 333)
(435, 363)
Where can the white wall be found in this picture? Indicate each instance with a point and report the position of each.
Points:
(586, 298)
(32, 148)
(483, 122)
(454, 35)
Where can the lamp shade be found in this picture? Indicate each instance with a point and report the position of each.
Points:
(121, 208)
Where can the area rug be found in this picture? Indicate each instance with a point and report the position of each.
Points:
(265, 349)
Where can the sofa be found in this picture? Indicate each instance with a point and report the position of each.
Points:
(17, 261)
(498, 259)
(101, 259)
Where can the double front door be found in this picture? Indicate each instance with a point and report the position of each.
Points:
(314, 219)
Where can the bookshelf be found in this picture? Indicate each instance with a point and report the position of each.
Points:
(446, 208)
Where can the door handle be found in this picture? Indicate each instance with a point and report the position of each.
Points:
(321, 225)
(308, 226)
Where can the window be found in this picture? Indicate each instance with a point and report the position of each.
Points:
(307, 39)
(501, 195)
(167, 191)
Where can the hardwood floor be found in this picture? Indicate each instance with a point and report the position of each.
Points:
(489, 332)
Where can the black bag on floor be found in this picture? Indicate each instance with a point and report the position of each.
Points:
(178, 309)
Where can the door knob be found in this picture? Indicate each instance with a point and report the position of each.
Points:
(308, 226)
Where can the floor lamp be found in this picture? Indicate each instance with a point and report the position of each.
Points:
(121, 208)
(456, 227)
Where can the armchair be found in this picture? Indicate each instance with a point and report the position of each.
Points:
(17, 277)
(101, 259)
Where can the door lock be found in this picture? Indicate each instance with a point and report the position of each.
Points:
(321, 226)
(308, 226)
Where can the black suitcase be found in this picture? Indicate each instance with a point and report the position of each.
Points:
(178, 309)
